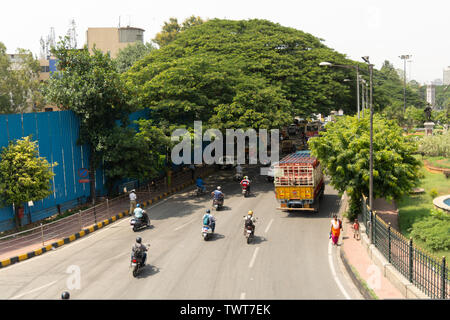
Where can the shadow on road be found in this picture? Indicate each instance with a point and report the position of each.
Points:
(148, 271)
(216, 236)
(258, 240)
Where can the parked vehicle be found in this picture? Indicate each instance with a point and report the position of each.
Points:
(199, 191)
(299, 182)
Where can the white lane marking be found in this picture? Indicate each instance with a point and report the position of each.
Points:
(183, 225)
(23, 294)
(268, 226)
(333, 271)
(242, 296)
(253, 258)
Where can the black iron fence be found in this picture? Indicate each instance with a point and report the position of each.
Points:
(427, 272)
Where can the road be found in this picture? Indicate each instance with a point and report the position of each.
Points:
(291, 257)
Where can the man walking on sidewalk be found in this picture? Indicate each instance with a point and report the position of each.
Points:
(132, 202)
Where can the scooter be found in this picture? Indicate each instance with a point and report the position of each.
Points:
(139, 223)
(218, 204)
(245, 191)
(206, 232)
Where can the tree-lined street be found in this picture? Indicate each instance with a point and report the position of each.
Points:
(289, 258)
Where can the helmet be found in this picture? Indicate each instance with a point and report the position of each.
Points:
(250, 212)
(245, 177)
(218, 188)
(65, 295)
(208, 211)
(138, 240)
(138, 205)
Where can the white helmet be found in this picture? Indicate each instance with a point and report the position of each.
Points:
(219, 188)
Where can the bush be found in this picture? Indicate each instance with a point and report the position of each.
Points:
(433, 193)
(434, 230)
(436, 145)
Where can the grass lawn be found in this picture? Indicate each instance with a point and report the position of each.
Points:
(439, 162)
(413, 208)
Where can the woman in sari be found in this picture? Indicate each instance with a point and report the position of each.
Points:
(336, 226)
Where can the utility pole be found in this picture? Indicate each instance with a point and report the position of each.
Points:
(366, 59)
(404, 58)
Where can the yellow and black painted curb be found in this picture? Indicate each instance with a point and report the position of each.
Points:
(91, 229)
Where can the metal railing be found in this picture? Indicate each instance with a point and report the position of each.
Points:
(427, 272)
(47, 233)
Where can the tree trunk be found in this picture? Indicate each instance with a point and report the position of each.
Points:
(92, 175)
(16, 217)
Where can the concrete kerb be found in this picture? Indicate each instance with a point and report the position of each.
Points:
(86, 231)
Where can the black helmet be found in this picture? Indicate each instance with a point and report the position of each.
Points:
(65, 295)
(208, 211)
(138, 240)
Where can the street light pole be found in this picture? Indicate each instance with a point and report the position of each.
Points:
(366, 59)
(404, 58)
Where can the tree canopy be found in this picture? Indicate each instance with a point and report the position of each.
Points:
(24, 176)
(220, 66)
(19, 82)
(132, 53)
(344, 151)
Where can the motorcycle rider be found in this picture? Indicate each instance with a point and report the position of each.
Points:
(139, 248)
(211, 220)
(218, 194)
(200, 184)
(139, 213)
(249, 220)
(246, 183)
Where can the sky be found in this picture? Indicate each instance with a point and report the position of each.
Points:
(380, 29)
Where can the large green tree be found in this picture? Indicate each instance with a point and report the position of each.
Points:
(132, 53)
(344, 151)
(90, 86)
(211, 68)
(19, 82)
(24, 176)
(172, 28)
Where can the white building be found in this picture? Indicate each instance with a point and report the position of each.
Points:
(446, 77)
(431, 95)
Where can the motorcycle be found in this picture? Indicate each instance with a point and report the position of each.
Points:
(206, 232)
(218, 204)
(137, 263)
(245, 191)
(139, 223)
(199, 191)
(249, 233)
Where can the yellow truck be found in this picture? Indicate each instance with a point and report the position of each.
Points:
(299, 183)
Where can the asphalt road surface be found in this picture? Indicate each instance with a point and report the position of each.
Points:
(290, 258)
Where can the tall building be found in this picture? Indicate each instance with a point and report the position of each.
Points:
(113, 39)
(446, 77)
(431, 95)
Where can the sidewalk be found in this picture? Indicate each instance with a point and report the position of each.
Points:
(356, 257)
(359, 259)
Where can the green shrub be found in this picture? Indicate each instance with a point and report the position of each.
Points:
(434, 230)
(433, 193)
(436, 145)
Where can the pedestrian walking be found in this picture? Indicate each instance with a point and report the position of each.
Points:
(356, 232)
(336, 227)
(132, 201)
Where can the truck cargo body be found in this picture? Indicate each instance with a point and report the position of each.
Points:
(298, 180)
